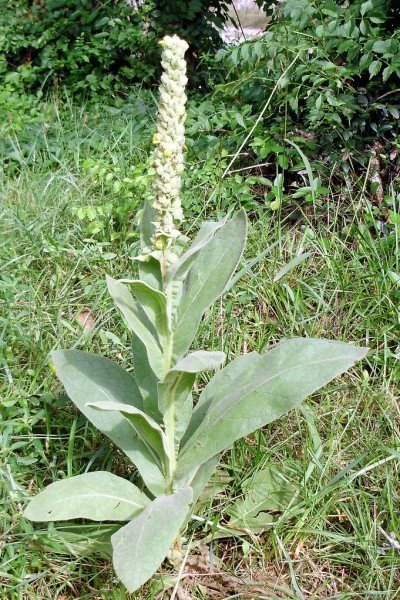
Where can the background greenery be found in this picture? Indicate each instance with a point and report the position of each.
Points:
(77, 106)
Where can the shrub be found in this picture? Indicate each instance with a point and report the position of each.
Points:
(92, 46)
(342, 90)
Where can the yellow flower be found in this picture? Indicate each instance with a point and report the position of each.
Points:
(156, 138)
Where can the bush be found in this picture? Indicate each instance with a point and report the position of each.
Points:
(82, 44)
(96, 47)
(342, 90)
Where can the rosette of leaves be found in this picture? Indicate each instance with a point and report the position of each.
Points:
(174, 442)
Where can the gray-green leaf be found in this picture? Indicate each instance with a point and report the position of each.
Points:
(180, 267)
(139, 323)
(207, 278)
(146, 379)
(144, 426)
(99, 496)
(199, 361)
(266, 491)
(90, 378)
(277, 382)
(154, 304)
(141, 546)
(177, 386)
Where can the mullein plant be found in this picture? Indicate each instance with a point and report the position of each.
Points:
(150, 414)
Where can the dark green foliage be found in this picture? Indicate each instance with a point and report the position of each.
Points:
(84, 45)
(88, 46)
(342, 87)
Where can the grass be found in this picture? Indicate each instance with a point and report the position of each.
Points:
(341, 452)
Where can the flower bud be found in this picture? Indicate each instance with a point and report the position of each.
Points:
(169, 141)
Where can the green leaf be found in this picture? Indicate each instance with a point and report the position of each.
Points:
(374, 68)
(266, 491)
(150, 272)
(98, 496)
(146, 225)
(176, 391)
(199, 361)
(365, 7)
(144, 427)
(177, 386)
(277, 382)
(220, 384)
(199, 479)
(178, 270)
(382, 46)
(207, 278)
(139, 324)
(154, 304)
(141, 546)
(146, 379)
(90, 378)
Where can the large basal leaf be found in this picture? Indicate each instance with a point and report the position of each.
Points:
(267, 491)
(141, 546)
(286, 375)
(144, 426)
(207, 278)
(90, 378)
(99, 496)
(139, 323)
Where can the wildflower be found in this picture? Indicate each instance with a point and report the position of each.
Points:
(169, 140)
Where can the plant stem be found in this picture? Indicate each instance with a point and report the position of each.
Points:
(169, 415)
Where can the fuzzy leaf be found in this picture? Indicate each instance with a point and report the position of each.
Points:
(146, 379)
(141, 546)
(150, 272)
(199, 479)
(207, 278)
(278, 381)
(90, 378)
(178, 383)
(99, 496)
(154, 304)
(178, 270)
(144, 426)
(199, 361)
(220, 384)
(138, 322)
(146, 225)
